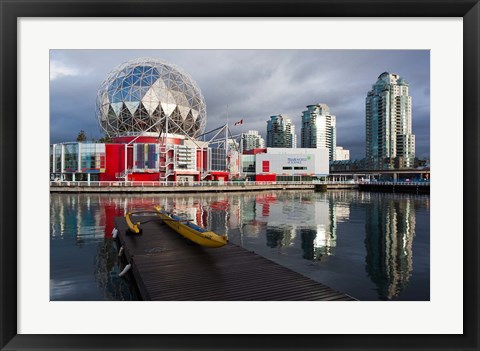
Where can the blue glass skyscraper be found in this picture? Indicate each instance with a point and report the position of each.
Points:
(281, 132)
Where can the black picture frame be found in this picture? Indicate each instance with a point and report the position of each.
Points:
(12, 10)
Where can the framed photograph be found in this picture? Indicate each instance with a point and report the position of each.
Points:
(112, 95)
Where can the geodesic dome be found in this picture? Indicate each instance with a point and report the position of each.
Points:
(141, 92)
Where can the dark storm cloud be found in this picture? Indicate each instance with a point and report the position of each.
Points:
(253, 85)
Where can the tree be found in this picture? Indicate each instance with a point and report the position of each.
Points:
(82, 136)
(105, 139)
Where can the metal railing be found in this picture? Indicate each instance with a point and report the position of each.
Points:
(425, 183)
(217, 183)
(164, 183)
(120, 175)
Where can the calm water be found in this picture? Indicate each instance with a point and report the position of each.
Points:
(372, 246)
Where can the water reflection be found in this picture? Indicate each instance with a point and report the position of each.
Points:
(390, 229)
(83, 257)
(305, 220)
(359, 243)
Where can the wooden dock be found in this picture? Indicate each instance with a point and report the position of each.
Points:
(168, 267)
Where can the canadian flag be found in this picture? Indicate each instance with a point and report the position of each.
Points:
(239, 122)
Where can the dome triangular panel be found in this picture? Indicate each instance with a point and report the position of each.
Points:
(184, 111)
(194, 114)
(168, 108)
(117, 106)
(138, 94)
(150, 106)
(132, 106)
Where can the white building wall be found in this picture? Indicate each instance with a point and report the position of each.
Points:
(342, 154)
(314, 161)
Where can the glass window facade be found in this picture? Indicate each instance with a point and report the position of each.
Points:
(145, 157)
(218, 159)
(92, 158)
(248, 163)
(71, 158)
(58, 158)
(281, 132)
(294, 178)
(51, 159)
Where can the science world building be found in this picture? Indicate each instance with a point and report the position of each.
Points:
(150, 95)
(154, 116)
(153, 113)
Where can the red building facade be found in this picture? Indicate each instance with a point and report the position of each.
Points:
(141, 159)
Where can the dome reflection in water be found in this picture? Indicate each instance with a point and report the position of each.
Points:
(372, 246)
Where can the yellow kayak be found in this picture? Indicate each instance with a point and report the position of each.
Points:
(133, 227)
(191, 231)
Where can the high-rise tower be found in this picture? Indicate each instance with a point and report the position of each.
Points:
(251, 140)
(281, 132)
(388, 109)
(319, 128)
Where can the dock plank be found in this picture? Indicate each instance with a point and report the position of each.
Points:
(167, 267)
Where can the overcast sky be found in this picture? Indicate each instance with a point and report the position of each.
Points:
(251, 85)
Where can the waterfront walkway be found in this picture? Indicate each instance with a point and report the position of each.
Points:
(207, 186)
(186, 187)
(170, 268)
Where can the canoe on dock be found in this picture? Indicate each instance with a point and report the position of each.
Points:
(182, 226)
(191, 231)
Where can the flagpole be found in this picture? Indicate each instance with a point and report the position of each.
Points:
(226, 132)
(226, 146)
(227, 113)
(239, 123)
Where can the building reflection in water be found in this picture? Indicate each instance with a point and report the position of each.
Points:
(390, 229)
(320, 239)
(86, 221)
(299, 224)
(302, 219)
